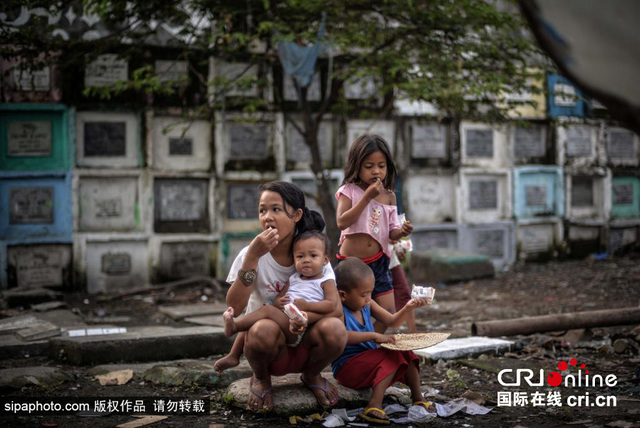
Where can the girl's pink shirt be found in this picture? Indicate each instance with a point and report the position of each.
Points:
(377, 219)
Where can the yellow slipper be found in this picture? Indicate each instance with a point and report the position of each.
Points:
(428, 405)
(366, 415)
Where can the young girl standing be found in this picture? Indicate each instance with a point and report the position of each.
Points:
(367, 213)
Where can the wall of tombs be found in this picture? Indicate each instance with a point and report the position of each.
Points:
(105, 196)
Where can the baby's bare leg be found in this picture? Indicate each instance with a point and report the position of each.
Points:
(232, 359)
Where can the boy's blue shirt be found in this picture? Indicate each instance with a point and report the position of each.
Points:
(352, 324)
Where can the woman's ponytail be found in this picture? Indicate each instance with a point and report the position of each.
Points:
(311, 221)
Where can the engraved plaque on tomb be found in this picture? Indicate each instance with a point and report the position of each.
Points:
(535, 196)
(529, 142)
(490, 242)
(428, 141)
(309, 187)
(579, 141)
(105, 139)
(185, 259)
(623, 194)
(479, 143)
(581, 192)
(32, 80)
(297, 149)
(536, 239)
(360, 88)
(313, 90)
(564, 95)
(242, 201)
(38, 268)
(483, 194)
(621, 144)
(116, 263)
(31, 205)
(29, 138)
(180, 147)
(238, 72)
(247, 141)
(106, 70)
(168, 71)
(108, 208)
(427, 240)
(182, 200)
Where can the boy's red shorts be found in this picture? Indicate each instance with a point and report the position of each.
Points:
(369, 368)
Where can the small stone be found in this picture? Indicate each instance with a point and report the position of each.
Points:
(620, 345)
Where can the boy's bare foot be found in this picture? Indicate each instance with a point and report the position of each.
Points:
(226, 362)
(229, 324)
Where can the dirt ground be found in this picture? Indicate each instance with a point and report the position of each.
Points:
(524, 290)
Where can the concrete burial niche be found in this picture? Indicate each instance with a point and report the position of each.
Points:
(564, 99)
(588, 195)
(230, 246)
(485, 195)
(171, 71)
(108, 139)
(34, 137)
(584, 238)
(183, 259)
(436, 236)
(307, 182)
(181, 144)
(495, 240)
(116, 265)
(625, 196)
(530, 144)
(430, 198)
(106, 70)
(181, 205)
(241, 206)
(33, 266)
(248, 143)
(22, 83)
(621, 236)
(623, 147)
(35, 207)
(290, 93)
(538, 240)
(107, 204)
(429, 143)
(298, 155)
(483, 145)
(538, 191)
(231, 73)
(361, 88)
(384, 128)
(579, 143)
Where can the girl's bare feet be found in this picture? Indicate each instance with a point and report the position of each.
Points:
(226, 362)
(229, 324)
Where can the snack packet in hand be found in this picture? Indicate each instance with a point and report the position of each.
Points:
(419, 292)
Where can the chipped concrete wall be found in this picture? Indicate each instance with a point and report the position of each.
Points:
(140, 194)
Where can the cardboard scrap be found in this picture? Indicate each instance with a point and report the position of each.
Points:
(119, 377)
(39, 331)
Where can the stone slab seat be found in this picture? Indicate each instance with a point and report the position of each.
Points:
(436, 266)
(291, 397)
(142, 344)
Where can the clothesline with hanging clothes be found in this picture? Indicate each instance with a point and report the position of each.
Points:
(300, 61)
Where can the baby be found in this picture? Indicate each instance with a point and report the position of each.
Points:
(307, 288)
